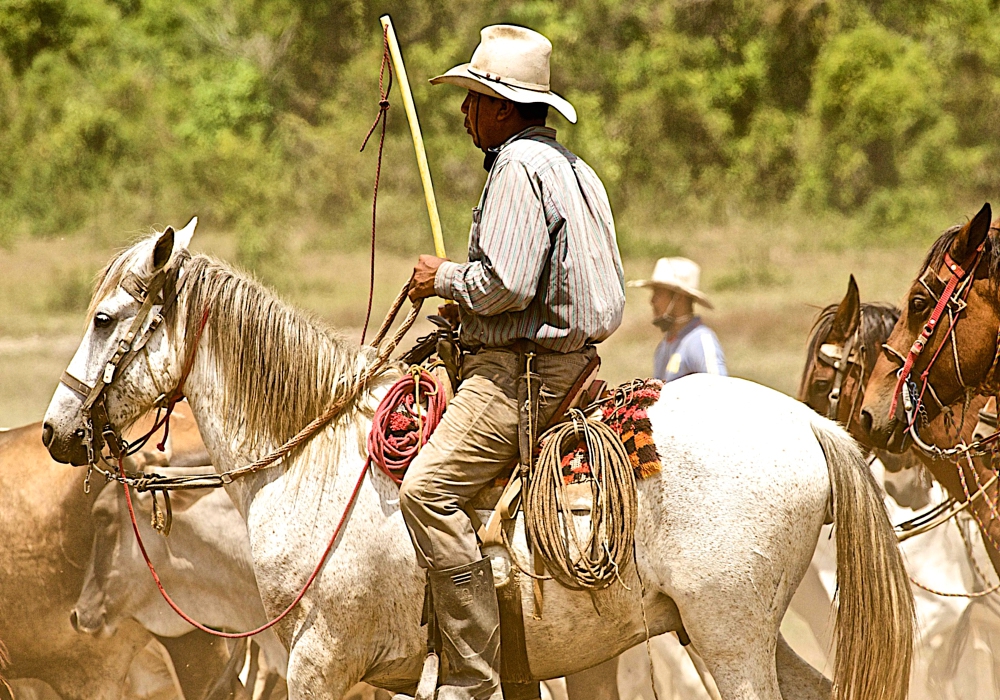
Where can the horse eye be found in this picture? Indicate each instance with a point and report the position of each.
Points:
(821, 385)
(918, 304)
(102, 320)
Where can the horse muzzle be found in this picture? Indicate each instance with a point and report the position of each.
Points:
(66, 448)
(94, 625)
(887, 434)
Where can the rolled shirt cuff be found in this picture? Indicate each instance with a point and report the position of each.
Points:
(444, 279)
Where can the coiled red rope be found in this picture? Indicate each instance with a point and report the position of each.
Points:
(402, 424)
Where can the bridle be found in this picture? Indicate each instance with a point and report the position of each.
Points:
(160, 291)
(843, 359)
(953, 301)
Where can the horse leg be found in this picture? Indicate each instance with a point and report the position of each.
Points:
(703, 673)
(796, 678)
(317, 668)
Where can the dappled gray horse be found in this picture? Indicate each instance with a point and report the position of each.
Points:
(724, 532)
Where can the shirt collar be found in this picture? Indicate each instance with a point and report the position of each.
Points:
(688, 327)
(532, 131)
(492, 154)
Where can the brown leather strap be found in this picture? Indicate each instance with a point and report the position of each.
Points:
(75, 384)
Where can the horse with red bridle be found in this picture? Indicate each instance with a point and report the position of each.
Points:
(942, 354)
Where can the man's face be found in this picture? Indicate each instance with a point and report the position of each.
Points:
(485, 119)
(662, 300)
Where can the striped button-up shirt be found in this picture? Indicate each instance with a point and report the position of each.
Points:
(543, 261)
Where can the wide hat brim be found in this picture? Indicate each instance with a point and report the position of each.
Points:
(465, 78)
(695, 294)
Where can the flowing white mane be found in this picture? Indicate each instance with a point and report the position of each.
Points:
(281, 368)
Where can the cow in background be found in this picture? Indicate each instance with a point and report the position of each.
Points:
(47, 531)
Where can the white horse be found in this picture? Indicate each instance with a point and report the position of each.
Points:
(724, 533)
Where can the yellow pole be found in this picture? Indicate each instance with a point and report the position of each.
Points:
(418, 142)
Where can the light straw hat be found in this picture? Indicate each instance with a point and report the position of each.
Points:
(679, 274)
(511, 63)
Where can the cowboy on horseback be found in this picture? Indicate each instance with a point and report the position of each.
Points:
(543, 284)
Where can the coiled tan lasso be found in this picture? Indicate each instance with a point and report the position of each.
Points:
(592, 562)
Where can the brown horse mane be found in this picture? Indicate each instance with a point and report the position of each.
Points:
(877, 321)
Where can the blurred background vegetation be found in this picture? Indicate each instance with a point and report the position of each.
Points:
(780, 143)
(119, 113)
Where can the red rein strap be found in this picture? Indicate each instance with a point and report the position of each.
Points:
(172, 400)
(241, 635)
(958, 273)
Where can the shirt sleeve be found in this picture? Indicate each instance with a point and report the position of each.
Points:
(514, 240)
(715, 361)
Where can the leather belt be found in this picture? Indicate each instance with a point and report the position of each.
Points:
(524, 347)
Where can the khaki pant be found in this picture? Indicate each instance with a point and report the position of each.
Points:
(474, 441)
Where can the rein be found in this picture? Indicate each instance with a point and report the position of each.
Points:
(158, 482)
(155, 482)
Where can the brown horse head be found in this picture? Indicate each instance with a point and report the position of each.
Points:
(944, 345)
(842, 349)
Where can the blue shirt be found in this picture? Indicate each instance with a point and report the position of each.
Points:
(695, 348)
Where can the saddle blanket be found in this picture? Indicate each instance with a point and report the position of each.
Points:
(625, 413)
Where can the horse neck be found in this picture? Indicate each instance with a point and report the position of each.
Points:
(332, 459)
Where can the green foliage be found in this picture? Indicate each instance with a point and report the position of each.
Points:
(118, 114)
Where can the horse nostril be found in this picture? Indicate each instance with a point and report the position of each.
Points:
(866, 420)
(74, 620)
(47, 434)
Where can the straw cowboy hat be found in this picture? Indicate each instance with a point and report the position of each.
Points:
(511, 63)
(680, 275)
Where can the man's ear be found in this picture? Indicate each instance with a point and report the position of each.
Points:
(971, 236)
(505, 110)
(848, 316)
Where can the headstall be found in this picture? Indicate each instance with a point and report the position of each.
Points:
(953, 301)
(160, 291)
(842, 358)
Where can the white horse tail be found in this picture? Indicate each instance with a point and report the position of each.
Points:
(875, 617)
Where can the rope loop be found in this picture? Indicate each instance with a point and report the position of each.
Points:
(402, 425)
(593, 562)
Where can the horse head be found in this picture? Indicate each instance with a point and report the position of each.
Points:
(842, 348)
(831, 364)
(124, 364)
(944, 345)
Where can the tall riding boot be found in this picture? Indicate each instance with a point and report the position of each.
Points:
(465, 602)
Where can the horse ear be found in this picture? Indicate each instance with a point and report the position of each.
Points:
(972, 236)
(848, 316)
(182, 239)
(163, 249)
